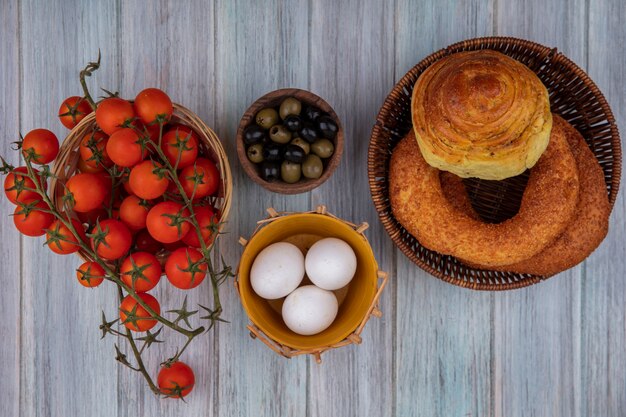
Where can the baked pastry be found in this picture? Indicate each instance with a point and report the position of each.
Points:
(548, 205)
(584, 233)
(481, 114)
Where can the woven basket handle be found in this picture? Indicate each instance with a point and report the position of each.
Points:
(257, 333)
(374, 309)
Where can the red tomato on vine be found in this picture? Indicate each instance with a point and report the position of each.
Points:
(41, 146)
(90, 274)
(30, 220)
(134, 316)
(73, 110)
(153, 105)
(141, 271)
(19, 188)
(111, 239)
(185, 269)
(60, 238)
(176, 380)
(113, 114)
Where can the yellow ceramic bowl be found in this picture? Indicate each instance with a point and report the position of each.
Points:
(303, 230)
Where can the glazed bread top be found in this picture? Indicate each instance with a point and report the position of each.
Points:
(481, 114)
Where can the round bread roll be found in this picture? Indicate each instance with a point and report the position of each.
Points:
(419, 203)
(481, 114)
(586, 230)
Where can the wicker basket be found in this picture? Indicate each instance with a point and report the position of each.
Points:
(209, 145)
(357, 304)
(572, 95)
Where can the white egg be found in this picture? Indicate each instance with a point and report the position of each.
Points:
(277, 270)
(330, 263)
(309, 310)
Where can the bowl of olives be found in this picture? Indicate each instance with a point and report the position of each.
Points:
(289, 141)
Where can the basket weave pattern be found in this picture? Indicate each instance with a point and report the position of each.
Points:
(573, 96)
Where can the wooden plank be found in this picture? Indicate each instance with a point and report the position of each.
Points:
(171, 47)
(12, 243)
(443, 333)
(603, 357)
(65, 369)
(352, 59)
(260, 46)
(537, 329)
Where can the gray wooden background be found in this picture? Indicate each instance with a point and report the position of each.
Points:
(555, 349)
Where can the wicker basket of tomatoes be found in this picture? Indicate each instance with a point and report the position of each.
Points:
(140, 189)
(187, 143)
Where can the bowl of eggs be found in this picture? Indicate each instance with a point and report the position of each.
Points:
(289, 141)
(309, 282)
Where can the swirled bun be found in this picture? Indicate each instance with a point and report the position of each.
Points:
(481, 114)
(419, 203)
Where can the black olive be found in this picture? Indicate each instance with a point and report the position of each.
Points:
(270, 171)
(254, 134)
(312, 113)
(272, 152)
(326, 126)
(308, 133)
(293, 123)
(294, 153)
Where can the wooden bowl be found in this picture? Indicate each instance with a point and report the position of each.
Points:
(573, 96)
(358, 301)
(273, 99)
(209, 144)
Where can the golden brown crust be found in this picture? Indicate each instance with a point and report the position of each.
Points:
(586, 230)
(419, 204)
(481, 114)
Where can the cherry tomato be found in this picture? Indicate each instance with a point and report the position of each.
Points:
(41, 145)
(88, 190)
(73, 110)
(142, 320)
(148, 180)
(90, 274)
(111, 239)
(180, 145)
(152, 105)
(207, 220)
(16, 186)
(125, 147)
(30, 220)
(93, 149)
(183, 268)
(146, 243)
(167, 222)
(141, 271)
(61, 240)
(176, 380)
(134, 211)
(200, 179)
(113, 114)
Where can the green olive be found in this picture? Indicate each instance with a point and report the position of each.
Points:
(280, 134)
(312, 166)
(255, 153)
(267, 117)
(290, 172)
(323, 148)
(306, 146)
(289, 106)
